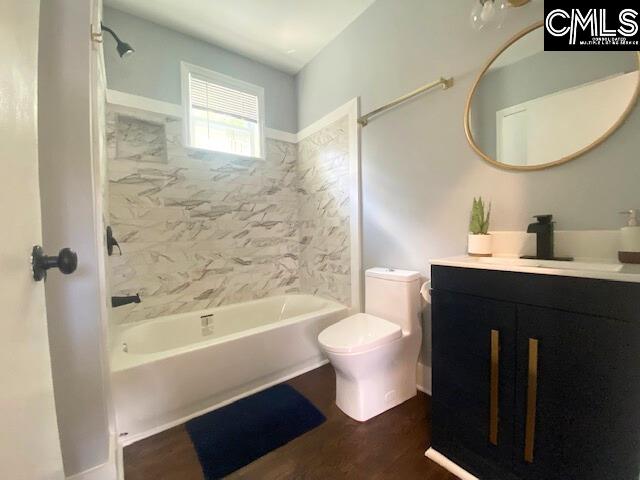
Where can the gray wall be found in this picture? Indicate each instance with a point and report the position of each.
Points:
(536, 76)
(419, 174)
(154, 70)
(68, 216)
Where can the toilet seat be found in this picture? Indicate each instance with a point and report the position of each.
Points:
(358, 333)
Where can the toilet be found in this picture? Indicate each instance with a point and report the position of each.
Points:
(375, 353)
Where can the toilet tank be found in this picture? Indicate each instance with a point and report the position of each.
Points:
(395, 296)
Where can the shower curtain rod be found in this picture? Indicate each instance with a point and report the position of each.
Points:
(445, 82)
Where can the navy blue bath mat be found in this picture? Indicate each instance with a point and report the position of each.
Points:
(234, 436)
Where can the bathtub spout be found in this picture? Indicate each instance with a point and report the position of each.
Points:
(120, 301)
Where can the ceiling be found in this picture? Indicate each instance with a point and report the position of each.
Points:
(285, 34)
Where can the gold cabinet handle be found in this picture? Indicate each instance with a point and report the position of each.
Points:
(532, 394)
(493, 391)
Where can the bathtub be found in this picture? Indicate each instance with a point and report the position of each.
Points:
(170, 369)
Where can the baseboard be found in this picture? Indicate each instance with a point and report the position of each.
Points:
(110, 470)
(120, 461)
(423, 378)
(447, 464)
(125, 441)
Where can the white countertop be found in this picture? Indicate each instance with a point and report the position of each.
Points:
(582, 268)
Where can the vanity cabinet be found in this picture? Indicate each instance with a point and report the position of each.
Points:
(533, 378)
(464, 331)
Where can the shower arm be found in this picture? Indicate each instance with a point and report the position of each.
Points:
(107, 29)
(123, 48)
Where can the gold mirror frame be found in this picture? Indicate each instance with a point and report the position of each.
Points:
(494, 162)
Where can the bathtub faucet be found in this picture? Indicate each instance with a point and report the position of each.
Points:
(120, 301)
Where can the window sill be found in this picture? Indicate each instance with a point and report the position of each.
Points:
(189, 148)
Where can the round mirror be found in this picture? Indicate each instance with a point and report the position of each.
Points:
(531, 109)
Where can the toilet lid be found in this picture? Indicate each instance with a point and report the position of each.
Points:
(358, 333)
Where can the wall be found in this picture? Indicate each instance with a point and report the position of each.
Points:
(203, 229)
(419, 174)
(68, 181)
(325, 237)
(154, 70)
(197, 229)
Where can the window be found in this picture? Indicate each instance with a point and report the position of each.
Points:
(221, 113)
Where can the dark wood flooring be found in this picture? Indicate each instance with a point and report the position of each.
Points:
(390, 446)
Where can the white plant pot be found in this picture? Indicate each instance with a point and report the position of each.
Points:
(480, 245)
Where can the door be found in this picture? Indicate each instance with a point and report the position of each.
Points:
(512, 136)
(473, 381)
(578, 391)
(29, 444)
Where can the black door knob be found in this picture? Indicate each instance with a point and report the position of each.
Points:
(66, 262)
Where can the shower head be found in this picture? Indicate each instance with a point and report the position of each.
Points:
(123, 48)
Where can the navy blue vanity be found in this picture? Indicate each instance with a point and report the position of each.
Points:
(536, 376)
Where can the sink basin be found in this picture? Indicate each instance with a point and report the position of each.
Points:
(555, 264)
(587, 268)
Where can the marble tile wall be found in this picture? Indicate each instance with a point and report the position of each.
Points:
(140, 140)
(323, 170)
(202, 229)
(197, 229)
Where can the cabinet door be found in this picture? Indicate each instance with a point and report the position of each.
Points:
(577, 397)
(473, 381)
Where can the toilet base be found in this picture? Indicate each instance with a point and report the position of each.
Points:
(367, 398)
(371, 382)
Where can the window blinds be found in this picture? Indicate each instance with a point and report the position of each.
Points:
(206, 95)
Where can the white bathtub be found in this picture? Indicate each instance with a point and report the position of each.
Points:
(170, 369)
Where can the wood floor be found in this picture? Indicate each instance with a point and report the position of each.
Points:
(390, 446)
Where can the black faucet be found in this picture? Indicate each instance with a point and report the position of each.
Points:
(120, 301)
(543, 229)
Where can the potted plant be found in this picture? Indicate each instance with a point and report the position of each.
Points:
(479, 236)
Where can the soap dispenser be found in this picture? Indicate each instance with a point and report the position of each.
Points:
(630, 239)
